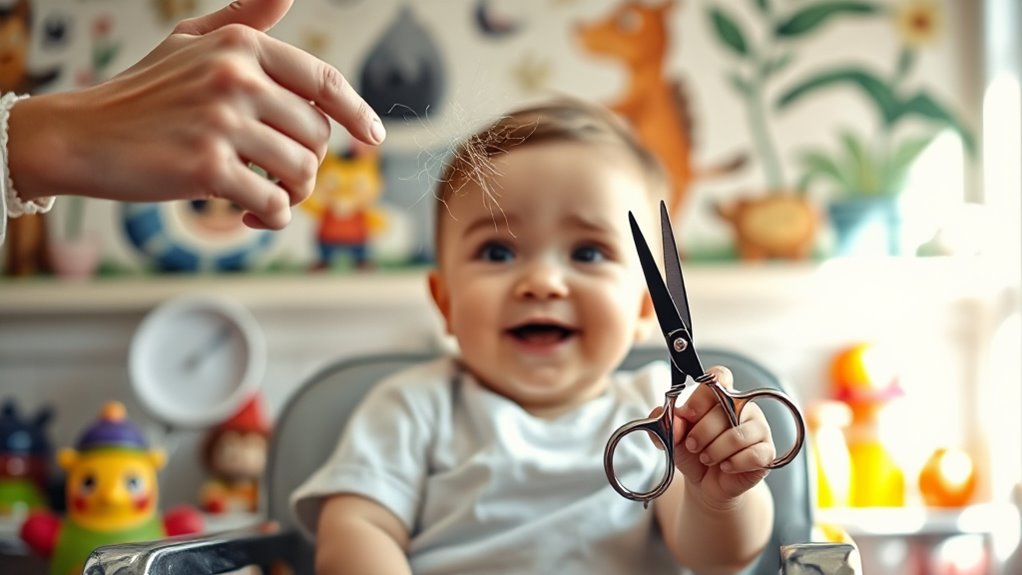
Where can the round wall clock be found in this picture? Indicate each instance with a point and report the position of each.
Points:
(195, 360)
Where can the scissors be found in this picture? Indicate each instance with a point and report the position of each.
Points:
(672, 311)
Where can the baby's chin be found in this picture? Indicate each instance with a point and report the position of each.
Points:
(545, 397)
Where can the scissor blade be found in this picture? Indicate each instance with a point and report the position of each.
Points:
(672, 269)
(663, 304)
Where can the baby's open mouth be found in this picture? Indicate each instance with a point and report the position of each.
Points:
(541, 333)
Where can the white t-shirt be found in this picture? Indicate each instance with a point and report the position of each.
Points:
(485, 487)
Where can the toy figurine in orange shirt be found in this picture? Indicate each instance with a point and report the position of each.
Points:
(235, 455)
(344, 203)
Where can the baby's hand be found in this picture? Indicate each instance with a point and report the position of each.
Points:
(722, 461)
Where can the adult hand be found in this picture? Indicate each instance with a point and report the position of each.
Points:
(186, 120)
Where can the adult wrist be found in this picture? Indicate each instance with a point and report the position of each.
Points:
(36, 158)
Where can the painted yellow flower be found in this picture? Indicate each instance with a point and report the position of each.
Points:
(918, 22)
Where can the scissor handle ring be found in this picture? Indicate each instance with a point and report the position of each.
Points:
(662, 427)
(734, 402)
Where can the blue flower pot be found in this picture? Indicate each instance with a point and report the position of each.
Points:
(866, 226)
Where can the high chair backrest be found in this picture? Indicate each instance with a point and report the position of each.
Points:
(308, 427)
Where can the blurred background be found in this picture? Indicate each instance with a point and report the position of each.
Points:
(846, 190)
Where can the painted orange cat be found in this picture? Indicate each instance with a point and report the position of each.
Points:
(635, 33)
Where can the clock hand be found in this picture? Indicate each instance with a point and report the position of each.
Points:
(193, 361)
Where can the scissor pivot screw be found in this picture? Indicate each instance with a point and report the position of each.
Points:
(680, 344)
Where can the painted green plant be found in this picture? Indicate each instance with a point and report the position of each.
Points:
(758, 63)
(861, 167)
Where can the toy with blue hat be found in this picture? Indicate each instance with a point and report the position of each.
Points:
(112, 496)
(25, 455)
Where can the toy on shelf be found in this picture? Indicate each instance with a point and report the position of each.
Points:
(25, 454)
(948, 478)
(344, 205)
(112, 496)
(828, 420)
(863, 378)
(234, 453)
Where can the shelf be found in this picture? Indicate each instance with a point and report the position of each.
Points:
(766, 283)
(894, 521)
(44, 296)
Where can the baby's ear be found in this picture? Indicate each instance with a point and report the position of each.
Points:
(647, 318)
(438, 291)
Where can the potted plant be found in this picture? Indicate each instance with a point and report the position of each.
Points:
(864, 181)
(780, 223)
(74, 254)
(866, 174)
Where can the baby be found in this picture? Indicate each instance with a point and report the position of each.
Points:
(491, 461)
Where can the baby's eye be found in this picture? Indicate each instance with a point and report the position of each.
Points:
(588, 254)
(496, 252)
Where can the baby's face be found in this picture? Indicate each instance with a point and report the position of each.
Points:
(540, 283)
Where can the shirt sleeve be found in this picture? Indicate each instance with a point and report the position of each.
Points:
(10, 204)
(381, 455)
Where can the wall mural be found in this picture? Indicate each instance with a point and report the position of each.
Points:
(783, 124)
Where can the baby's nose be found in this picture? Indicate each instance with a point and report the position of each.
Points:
(542, 280)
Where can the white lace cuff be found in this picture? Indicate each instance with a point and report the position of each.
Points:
(15, 206)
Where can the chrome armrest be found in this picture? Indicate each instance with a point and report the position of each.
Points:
(209, 553)
(820, 558)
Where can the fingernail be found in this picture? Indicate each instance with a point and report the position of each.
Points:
(726, 467)
(691, 444)
(377, 131)
(704, 459)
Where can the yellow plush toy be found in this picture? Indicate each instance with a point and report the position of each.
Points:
(112, 496)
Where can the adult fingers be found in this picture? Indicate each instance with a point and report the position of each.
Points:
(295, 118)
(268, 206)
(293, 165)
(258, 14)
(322, 84)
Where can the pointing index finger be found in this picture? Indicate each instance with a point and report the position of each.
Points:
(322, 84)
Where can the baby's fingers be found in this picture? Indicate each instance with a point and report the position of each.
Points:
(737, 440)
(680, 428)
(703, 401)
(753, 458)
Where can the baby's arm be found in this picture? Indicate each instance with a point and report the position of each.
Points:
(709, 539)
(719, 517)
(357, 536)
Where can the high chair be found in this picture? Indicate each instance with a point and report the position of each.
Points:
(307, 430)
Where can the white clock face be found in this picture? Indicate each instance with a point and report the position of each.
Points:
(194, 361)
